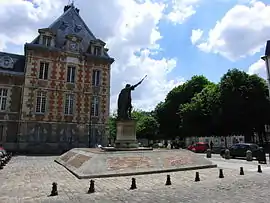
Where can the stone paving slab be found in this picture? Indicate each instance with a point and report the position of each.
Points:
(94, 163)
(29, 179)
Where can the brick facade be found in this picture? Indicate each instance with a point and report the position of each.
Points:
(61, 98)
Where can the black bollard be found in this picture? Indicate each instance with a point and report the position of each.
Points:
(261, 156)
(92, 187)
(241, 171)
(54, 191)
(168, 181)
(221, 175)
(197, 177)
(259, 169)
(1, 165)
(133, 184)
(4, 162)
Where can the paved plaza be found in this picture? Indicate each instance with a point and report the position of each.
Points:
(29, 179)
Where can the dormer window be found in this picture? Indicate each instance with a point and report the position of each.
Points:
(47, 40)
(97, 50)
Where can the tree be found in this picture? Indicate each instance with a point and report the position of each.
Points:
(167, 112)
(244, 103)
(147, 126)
(199, 116)
(112, 127)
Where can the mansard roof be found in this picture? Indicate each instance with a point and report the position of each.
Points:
(12, 63)
(71, 23)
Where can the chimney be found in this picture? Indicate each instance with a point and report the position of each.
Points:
(66, 8)
(69, 6)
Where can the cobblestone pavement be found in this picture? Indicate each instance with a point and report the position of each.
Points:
(29, 179)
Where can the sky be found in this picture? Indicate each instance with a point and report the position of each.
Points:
(168, 40)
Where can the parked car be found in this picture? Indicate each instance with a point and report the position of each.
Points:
(199, 147)
(3, 151)
(240, 149)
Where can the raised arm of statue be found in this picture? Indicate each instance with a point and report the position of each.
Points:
(134, 86)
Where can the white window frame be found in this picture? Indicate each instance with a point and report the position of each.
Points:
(3, 99)
(41, 102)
(46, 40)
(69, 104)
(43, 70)
(71, 73)
(95, 106)
(96, 77)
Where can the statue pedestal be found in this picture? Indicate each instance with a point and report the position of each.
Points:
(126, 134)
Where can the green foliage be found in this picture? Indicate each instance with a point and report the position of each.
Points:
(245, 103)
(147, 125)
(238, 104)
(112, 126)
(198, 115)
(167, 113)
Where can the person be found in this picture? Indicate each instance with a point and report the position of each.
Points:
(211, 145)
(124, 101)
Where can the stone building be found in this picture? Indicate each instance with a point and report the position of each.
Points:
(57, 95)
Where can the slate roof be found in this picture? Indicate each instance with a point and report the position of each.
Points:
(18, 66)
(71, 23)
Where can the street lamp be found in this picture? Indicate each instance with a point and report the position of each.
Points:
(266, 58)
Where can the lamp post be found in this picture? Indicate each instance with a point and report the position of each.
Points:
(90, 128)
(266, 59)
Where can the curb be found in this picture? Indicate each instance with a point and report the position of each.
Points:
(189, 168)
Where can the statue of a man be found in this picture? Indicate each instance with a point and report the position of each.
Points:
(124, 101)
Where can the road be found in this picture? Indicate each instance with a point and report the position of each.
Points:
(237, 163)
(28, 179)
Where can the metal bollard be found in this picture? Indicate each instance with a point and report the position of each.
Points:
(262, 156)
(208, 153)
(249, 156)
(242, 171)
(197, 177)
(259, 169)
(54, 191)
(221, 175)
(91, 187)
(168, 181)
(227, 154)
(133, 184)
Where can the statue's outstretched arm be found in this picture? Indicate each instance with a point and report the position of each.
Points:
(134, 86)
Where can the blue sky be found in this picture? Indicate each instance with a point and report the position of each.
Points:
(192, 61)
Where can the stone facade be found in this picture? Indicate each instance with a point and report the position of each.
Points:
(64, 95)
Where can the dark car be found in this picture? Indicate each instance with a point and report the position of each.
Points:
(240, 149)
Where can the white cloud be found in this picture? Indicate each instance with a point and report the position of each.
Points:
(196, 36)
(258, 68)
(128, 27)
(182, 10)
(241, 32)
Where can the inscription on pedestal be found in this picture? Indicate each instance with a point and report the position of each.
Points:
(126, 134)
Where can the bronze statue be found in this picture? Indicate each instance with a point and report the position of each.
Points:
(124, 101)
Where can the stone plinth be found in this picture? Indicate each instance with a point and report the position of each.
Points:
(97, 163)
(126, 134)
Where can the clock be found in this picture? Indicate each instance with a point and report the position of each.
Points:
(6, 62)
(73, 46)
